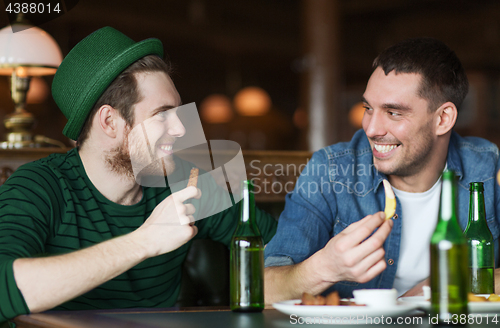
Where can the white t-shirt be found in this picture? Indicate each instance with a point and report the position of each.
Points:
(419, 217)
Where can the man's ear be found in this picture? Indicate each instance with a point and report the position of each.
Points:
(109, 120)
(446, 118)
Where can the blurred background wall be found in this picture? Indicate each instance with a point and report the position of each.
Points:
(309, 59)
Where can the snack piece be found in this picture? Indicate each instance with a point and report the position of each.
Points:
(193, 177)
(475, 298)
(390, 200)
(333, 298)
(308, 299)
(319, 300)
(494, 298)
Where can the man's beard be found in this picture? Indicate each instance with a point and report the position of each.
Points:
(118, 160)
(150, 166)
(414, 161)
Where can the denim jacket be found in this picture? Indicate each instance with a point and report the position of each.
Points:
(340, 185)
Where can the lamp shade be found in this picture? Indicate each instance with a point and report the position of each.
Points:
(31, 48)
(252, 101)
(356, 114)
(216, 109)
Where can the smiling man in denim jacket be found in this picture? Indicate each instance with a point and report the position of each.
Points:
(332, 234)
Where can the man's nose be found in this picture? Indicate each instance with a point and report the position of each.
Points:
(175, 127)
(374, 124)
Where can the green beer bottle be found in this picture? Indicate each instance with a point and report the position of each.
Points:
(480, 244)
(449, 259)
(247, 258)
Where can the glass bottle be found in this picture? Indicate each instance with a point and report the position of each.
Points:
(480, 244)
(449, 259)
(247, 258)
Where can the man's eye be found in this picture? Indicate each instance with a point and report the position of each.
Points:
(394, 114)
(367, 108)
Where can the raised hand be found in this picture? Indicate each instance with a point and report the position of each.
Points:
(354, 255)
(169, 225)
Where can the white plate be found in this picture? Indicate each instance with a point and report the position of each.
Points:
(474, 307)
(341, 314)
(420, 301)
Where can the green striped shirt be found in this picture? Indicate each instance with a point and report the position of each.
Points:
(50, 207)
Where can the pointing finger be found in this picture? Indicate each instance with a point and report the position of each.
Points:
(190, 209)
(187, 193)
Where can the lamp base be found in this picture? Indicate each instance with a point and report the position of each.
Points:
(19, 145)
(19, 139)
(20, 123)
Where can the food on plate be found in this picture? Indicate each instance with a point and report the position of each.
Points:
(331, 299)
(494, 298)
(308, 299)
(390, 200)
(193, 177)
(476, 298)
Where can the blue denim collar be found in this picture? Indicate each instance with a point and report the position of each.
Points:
(453, 159)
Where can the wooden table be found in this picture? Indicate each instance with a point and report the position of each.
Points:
(216, 317)
(153, 318)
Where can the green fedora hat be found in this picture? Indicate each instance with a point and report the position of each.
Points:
(90, 67)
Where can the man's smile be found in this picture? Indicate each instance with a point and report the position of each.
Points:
(385, 150)
(166, 148)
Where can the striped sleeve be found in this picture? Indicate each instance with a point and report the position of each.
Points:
(25, 211)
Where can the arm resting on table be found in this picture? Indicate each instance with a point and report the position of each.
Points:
(351, 255)
(290, 281)
(75, 273)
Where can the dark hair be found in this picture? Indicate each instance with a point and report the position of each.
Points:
(123, 93)
(443, 77)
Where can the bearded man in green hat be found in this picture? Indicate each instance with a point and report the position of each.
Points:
(76, 230)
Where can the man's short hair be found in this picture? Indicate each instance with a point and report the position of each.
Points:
(443, 77)
(123, 93)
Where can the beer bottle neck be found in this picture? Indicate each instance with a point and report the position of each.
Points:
(477, 212)
(247, 206)
(247, 225)
(447, 208)
(447, 228)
